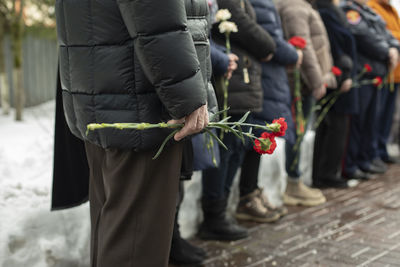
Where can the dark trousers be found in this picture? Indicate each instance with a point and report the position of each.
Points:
(217, 182)
(249, 174)
(132, 205)
(384, 122)
(363, 130)
(329, 146)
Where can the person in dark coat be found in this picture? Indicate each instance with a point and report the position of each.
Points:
(276, 103)
(251, 44)
(183, 252)
(70, 167)
(331, 135)
(117, 64)
(378, 48)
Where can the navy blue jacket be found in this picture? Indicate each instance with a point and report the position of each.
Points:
(219, 59)
(343, 45)
(277, 98)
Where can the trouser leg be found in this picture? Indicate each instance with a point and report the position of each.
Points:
(330, 143)
(369, 118)
(249, 174)
(135, 222)
(385, 120)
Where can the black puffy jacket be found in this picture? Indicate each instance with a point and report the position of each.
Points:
(132, 61)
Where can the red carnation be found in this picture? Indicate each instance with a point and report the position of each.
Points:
(336, 71)
(283, 128)
(377, 81)
(298, 42)
(367, 68)
(266, 144)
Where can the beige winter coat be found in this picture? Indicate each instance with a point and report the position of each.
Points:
(300, 19)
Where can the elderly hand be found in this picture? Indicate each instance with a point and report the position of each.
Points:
(194, 123)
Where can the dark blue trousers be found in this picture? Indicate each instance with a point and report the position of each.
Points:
(217, 182)
(384, 122)
(363, 130)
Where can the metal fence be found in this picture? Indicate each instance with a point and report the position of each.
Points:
(39, 68)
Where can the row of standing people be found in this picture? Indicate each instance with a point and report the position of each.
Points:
(350, 142)
(135, 61)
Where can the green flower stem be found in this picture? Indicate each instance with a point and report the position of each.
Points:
(364, 70)
(325, 111)
(226, 83)
(227, 43)
(224, 125)
(299, 104)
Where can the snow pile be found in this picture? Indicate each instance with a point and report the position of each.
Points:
(31, 235)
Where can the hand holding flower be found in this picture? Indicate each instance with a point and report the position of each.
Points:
(299, 58)
(346, 85)
(193, 123)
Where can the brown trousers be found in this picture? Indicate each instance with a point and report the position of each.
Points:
(132, 205)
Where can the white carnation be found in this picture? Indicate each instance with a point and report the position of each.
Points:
(227, 27)
(222, 15)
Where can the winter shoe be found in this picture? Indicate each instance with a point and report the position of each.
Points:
(216, 226)
(298, 193)
(252, 208)
(282, 210)
(358, 175)
(183, 253)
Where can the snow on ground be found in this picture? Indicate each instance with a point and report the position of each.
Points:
(31, 235)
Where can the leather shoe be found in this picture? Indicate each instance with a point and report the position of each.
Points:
(375, 168)
(359, 175)
(391, 160)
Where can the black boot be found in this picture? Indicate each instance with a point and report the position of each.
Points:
(182, 252)
(216, 226)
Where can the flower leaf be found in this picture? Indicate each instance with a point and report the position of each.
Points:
(165, 142)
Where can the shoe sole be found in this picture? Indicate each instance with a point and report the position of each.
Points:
(291, 201)
(283, 213)
(246, 217)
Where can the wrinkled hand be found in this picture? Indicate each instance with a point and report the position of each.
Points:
(267, 58)
(194, 123)
(346, 85)
(319, 92)
(393, 58)
(300, 58)
(232, 65)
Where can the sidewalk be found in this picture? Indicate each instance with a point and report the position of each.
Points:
(356, 227)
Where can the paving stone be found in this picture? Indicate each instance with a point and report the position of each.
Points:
(356, 227)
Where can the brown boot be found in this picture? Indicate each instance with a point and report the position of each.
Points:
(252, 208)
(298, 193)
(282, 210)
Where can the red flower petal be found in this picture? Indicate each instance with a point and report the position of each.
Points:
(367, 68)
(336, 71)
(377, 81)
(283, 128)
(298, 42)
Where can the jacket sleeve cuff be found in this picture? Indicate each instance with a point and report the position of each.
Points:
(184, 97)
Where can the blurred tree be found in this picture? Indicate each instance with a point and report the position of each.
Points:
(14, 16)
